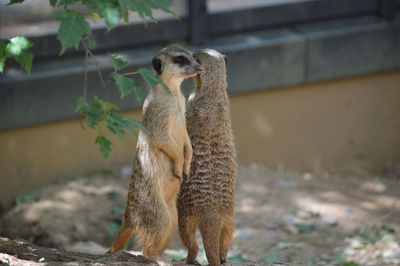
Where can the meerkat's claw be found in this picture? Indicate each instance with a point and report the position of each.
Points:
(179, 177)
(185, 175)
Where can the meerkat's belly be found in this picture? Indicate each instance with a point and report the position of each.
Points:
(169, 184)
(178, 129)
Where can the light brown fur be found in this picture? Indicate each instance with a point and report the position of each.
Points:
(162, 157)
(206, 199)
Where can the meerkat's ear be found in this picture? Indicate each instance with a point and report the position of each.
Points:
(156, 65)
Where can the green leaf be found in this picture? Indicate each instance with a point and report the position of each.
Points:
(164, 5)
(141, 8)
(92, 42)
(130, 124)
(144, 8)
(22, 42)
(72, 27)
(137, 91)
(93, 116)
(16, 45)
(105, 146)
(2, 56)
(111, 16)
(118, 62)
(17, 48)
(127, 85)
(114, 123)
(92, 112)
(106, 106)
(82, 106)
(15, 2)
(53, 3)
(25, 60)
(12, 50)
(149, 77)
(123, 10)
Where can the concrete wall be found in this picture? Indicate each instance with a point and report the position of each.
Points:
(344, 126)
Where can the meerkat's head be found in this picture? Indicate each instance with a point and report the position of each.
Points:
(213, 67)
(175, 62)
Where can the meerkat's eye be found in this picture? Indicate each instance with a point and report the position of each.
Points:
(180, 60)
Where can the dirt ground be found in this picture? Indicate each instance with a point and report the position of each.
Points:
(281, 216)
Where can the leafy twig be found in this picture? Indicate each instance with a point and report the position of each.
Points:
(97, 63)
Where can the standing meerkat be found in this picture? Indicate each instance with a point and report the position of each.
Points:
(162, 157)
(206, 199)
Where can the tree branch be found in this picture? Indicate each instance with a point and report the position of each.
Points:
(97, 63)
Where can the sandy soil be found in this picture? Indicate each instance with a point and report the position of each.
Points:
(281, 216)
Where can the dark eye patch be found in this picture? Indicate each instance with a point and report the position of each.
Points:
(180, 60)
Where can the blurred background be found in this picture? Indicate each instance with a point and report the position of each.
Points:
(314, 87)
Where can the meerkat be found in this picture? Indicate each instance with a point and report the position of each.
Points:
(206, 198)
(162, 157)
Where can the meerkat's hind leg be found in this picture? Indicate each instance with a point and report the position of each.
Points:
(225, 240)
(187, 233)
(210, 229)
(124, 234)
(173, 224)
(155, 254)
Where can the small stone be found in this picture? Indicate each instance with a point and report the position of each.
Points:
(125, 171)
(243, 234)
(289, 219)
(329, 220)
(286, 184)
(374, 187)
(285, 245)
(349, 251)
(291, 229)
(272, 226)
(348, 210)
(307, 176)
(325, 257)
(389, 254)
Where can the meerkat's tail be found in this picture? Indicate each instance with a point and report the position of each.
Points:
(125, 233)
(210, 225)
